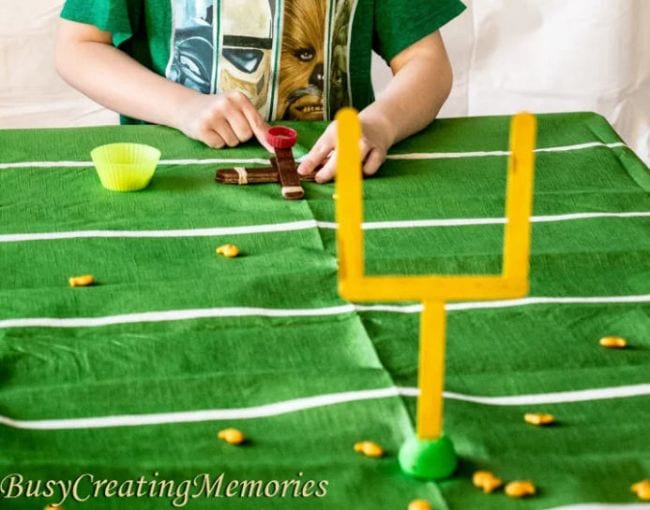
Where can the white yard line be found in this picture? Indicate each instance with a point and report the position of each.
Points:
(215, 161)
(264, 161)
(226, 312)
(509, 303)
(313, 402)
(142, 234)
(561, 397)
(162, 162)
(587, 216)
(483, 154)
(263, 411)
(293, 226)
(171, 315)
(541, 300)
(467, 222)
(604, 506)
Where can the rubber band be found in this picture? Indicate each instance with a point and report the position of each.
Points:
(242, 173)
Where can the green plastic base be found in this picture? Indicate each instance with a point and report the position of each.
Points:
(429, 459)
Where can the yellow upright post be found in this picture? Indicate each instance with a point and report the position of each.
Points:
(431, 372)
(519, 204)
(430, 454)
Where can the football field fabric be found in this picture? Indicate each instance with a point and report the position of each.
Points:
(131, 379)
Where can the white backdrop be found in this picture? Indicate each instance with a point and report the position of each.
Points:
(508, 55)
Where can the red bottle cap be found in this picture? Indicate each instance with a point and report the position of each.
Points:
(281, 137)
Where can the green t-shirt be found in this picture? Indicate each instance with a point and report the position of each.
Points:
(295, 59)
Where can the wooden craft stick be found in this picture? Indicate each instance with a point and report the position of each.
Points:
(243, 176)
(284, 169)
(289, 178)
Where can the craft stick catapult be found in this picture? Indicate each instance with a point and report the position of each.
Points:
(283, 170)
(430, 454)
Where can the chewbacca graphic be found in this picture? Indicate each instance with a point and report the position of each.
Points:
(301, 69)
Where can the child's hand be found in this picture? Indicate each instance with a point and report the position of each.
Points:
(377, 138)
(223, 120)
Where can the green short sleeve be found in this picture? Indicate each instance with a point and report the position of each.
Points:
(119, 17)
(400, 24)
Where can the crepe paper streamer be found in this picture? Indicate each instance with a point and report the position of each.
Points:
(430, 454)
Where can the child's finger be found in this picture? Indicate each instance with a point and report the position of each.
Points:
(256, 122)
(222, 127)
(318, 155)
(240, 126)
(373, 162)
(365, 149)
(212, 139)
(327, 173)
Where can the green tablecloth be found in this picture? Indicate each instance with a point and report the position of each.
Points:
(134, 377)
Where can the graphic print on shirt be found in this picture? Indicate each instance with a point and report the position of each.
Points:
(339, 89)
(192, 53)
(225, 45)
(302, 63)
(246, 49)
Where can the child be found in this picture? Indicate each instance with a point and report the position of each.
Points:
(218, 70)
